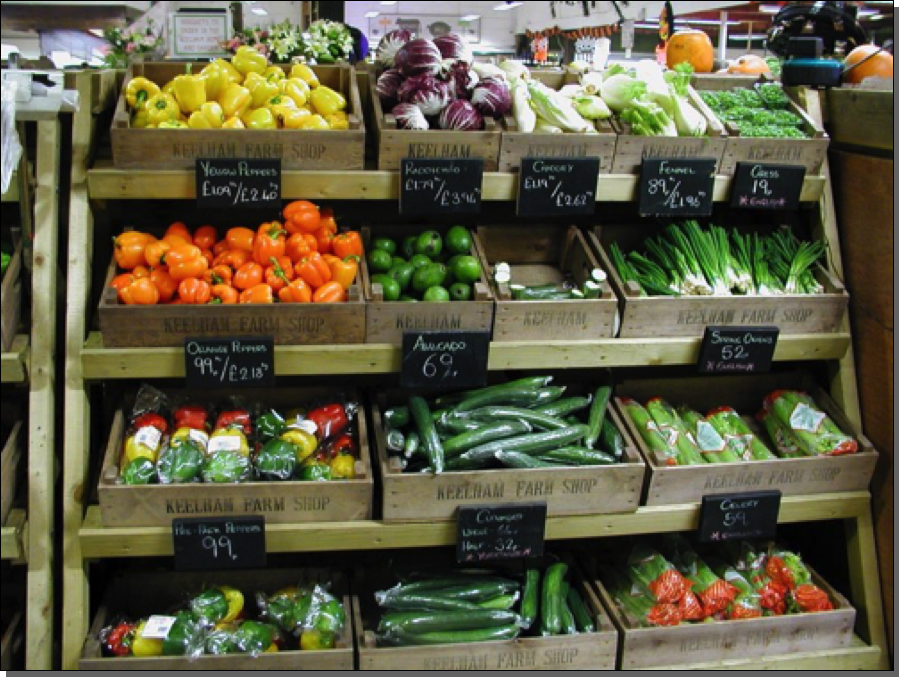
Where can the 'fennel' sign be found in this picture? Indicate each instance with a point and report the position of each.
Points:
(677, 186)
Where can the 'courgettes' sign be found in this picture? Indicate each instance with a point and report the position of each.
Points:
(490, 532)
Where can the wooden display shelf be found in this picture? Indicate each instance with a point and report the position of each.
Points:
(107, 183)
(14, 364)
(98, 542)
(14, 537)
(117, 363)
(12, 193)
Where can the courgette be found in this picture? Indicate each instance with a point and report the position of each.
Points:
(531, 597)
(515, 459)
(397, 417)
(456, 580)
(459, 444)
(519, 396)
(533, 382)
(564, 407)
(550, 607)
(549, 395)
(500, 602)
(423, 601)
(510, 631)
(578, 456)
(529, 444)
(532, 416)
(579, 611)
(424, 621)
(453, 425)
(459, 464)
(597, 415)
(421, 415)
(611, 440)
(569, 627)
(412, 444)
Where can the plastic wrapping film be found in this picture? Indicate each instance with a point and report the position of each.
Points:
(11, 148)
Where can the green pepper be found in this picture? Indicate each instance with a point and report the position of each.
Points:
(284, 609)
(140, 471)
(183, 636)
(221, 641)
(277, 460)
(315, 473)
(254, 637)
(330, 617)
(210, 606)
(227, 467)
(269, 425)
(182, 464)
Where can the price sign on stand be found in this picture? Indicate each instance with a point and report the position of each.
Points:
(557, 186)
(500, 532)
(737, 350)
(214, 543)
(233, 182)
(440, 186)
(444, 359)
(229, 362)
(726, 517)
(761, 186)
(677, 186)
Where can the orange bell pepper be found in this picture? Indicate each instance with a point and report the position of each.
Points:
(205, 237)
(141, 292)
(300, 244)
(194, 291)
(325, 237)
(240, 238)
(296, 292)
(233, 258)
(155, 252)
(220, 247)
(248, 275)
(208, 255)
(279, 274)
(343, 271)
(128, 249)
(186, 261)
(347, 244)
(260, 293)
(313, 270)
(270, 243)
(220, 274)
(224, 294)
(180, 229)
(119, 282)
(165, 283)
(301, 216)
(140, 271)
(330, 292)
(327, 220)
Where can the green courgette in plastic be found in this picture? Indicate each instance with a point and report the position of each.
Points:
(577, 456)
(597, 415)
(581, 616)
(520, 396)
(442, 621)
(459, 464)
(515, 459)
(550, 609)
(452, 580)
(500, 602)
(549, 395)
(423, 601)
(564, 407)
(530, 600)
(569, 627)
(459, 636)
(453, 425)
(421, 415)
(412, 444)
(530, 444)
(533, 382)
(611, 439)
(459, 444)
(532, 416)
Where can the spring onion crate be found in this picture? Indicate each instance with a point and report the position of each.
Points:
(668, 485)
(686, 316)
(387, 320)
(9, 464)
(138, 594)
(580, 490)
(545, 255)
(517, 144)
(298, 149)
(11, 300)
(288, 502)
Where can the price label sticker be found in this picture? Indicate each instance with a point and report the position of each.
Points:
(766, 186)
(429, 187)
(737, 350)
(158, 627)
(229, 362)
(557, 186)
(445, 359)
(726, 517)
(500, 532)
(235, 182)
(217, 543)
(677, 186)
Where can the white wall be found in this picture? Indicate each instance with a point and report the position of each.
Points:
(537, 15)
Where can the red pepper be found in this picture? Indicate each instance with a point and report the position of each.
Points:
(342, 445)
(330, 420)
(150, 420)
(118, 640)
(237, 418)
(193, 417)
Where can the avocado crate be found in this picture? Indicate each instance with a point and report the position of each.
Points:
(791, 476)
(686, 316)
(137, 595)
(11, 300)
(287, 502)
(298, 149)
(9, 465)
(585, 651)
(386, 321)
(160, 326)
(517, 144)
(541, 255)
(631, 150)
(576, 490)
(395, 144)
(809, 153)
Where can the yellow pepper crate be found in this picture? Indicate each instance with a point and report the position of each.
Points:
(178, 146)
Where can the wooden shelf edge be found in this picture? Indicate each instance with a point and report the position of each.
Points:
(12, 194)
(14, 364)
(100, 542)
(13, 537)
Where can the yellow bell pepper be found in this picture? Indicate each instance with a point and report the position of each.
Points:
(234, 75)
(274, 74)
(235, 603)
(306, 74)
(296, 89)
(228, 439)
(235, 100)
(259, 118)
(173, 124)
(335, 122)
(289, 117)
(343, 467)
(182, 435)
(326, 101)
(162, 108)
(280, 100)
(139, 91)
(249, 60)
(216, 78)
(210, 116)
(169, 88)
(137, 447)
(260, 89)
(305, 442)
(190, 92)
(316, 640)
(141, 118)
(233, 123)
(141, 647)
(314, 122)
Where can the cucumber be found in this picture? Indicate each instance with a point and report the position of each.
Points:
(395, 441)
(500, 602)
(549, 395)
(578, 456)
(453, 580)
(423, 601)
(597, 415)
(412, 444)
(473, 592)
(572, 420)
(459, 464)
(611, 440)
(515, 459)
(579, 610)
(533, 382)
(532, 416)
(544, 292)
(458, 636)
(456, 426)
(550, 607)
(530, 599)
(529, 444)
(428, 433)
(564, 407)
(515, 396)
(424, 621)
(397, 417)
(497, 431)
(569, 627)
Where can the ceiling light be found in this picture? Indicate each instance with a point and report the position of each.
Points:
(770, 9)
(707, 22)
(372, 15)
(470, 17)
(744, 38)
(507, 6)
(259, 11)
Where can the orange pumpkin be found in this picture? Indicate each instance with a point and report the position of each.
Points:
(879, 65)
(692, 47)
(749, 64)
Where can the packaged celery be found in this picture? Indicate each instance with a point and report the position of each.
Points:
(814, 430)
(649, 431)
(711, 444)
(675, 432)
(738, 435)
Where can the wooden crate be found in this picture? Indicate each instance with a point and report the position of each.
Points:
(395, 144)
(138, 595)
(671, 316)
(691, 644)
(542, 255)
(517, 145)
(124, 326)
(279, 502)
(793, 477)
(297, 149)
(631, 150)
(11, 300)
(9, 463)
(809, 153)
(386, 321)
(860, 117)
(596, 490)
(11, 642)
(589, 651)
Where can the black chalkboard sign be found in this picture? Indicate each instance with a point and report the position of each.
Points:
(213, 543)
(444, 359)
(440, 186)
(233, 182)
(762, 186)
(677, 186)
(229, 362)
(737, 350)
(491, 532)
(725, 517)
(557, 186)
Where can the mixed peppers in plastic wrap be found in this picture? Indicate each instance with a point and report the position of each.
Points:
(215, 622)
(188, 442)
(679, 586)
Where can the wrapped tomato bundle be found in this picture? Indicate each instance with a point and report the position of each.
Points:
(714, 594)
(812, 431)
(649, 568)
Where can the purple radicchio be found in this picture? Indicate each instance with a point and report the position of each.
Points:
(453, 46)
(388, 86)
(460, 115)
(492, 97)
(426, 92)
(409, 116)
(390, 45)
(461, 77)
(418, 57)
